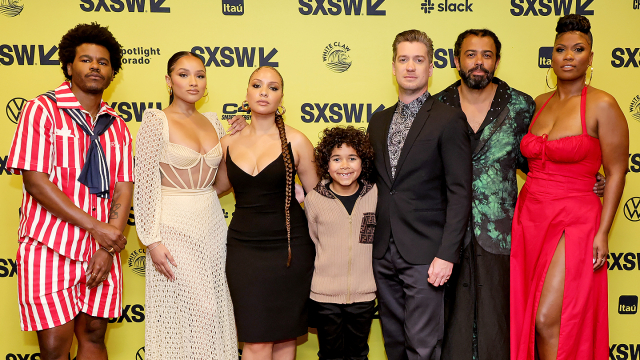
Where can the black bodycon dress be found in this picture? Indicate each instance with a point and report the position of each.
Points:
(269, 298)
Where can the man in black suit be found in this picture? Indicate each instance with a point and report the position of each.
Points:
(423, 165)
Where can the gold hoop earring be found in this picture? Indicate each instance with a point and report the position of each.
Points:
(207, 94)
(590, 77)
(547, 80)
(170, 89)
(245, 106)
(278, 112)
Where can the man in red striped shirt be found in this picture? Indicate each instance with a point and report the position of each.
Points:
(74, 154)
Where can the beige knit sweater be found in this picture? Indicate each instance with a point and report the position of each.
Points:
(343, 272)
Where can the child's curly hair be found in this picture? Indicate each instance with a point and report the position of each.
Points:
(336, 136)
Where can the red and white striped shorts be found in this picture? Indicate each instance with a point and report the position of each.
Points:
(52, 288)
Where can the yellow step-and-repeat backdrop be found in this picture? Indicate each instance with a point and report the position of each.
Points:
(303, 39)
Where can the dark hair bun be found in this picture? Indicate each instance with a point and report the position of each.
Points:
(573, 22)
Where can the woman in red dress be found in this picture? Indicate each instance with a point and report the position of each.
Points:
(560, 227)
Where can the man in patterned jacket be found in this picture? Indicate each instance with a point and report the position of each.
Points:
(74, 154)
(498, 116)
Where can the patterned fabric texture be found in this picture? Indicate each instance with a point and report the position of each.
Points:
(400, 126)
(495, 161)
(191, 317)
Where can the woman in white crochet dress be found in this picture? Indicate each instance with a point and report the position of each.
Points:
(189, 314)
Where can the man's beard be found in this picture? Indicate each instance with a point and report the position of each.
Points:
(476, 82)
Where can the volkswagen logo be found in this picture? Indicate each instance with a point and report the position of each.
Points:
(632, 208)
(14, 107)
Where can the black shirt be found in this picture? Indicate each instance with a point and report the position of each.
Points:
(451, 97)
(347, 201)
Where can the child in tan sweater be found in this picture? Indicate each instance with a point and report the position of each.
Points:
(341, 214)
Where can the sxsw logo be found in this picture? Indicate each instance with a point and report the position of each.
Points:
(624, 352)
(232, 7)
(544, 56)
(443, 58)
(11, 356)
(337, 7)
(636, 4)
(628, 304)
(429, 6)
(7, 268)
(133, 110)
(240, 56)
(632, 209)
(634, 163)
(335, 113)
(229, 110)
(137, 314)
(26, 54)
(623, 261)
(621, 57)
(550, 7)
(3, 166)
(155, 6)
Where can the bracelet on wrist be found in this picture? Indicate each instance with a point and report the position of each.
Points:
(150, 248)
(108, 252)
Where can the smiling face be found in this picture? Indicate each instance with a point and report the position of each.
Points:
(572, 56)
(91, 70)
(412, 67)
(345, 167)
(188, 79)
(264, 93)
(478, 61)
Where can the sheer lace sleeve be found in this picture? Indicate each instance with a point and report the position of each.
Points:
(216, 123)
(146, 199)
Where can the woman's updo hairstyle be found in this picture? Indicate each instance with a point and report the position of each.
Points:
(574, 22)
(171, 64)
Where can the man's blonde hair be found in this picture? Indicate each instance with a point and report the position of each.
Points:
(413, 36)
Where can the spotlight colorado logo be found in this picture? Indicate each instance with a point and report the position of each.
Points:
(139, 55)
(335, 56)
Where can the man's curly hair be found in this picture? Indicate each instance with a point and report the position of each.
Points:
(89, 34)
(337, 136)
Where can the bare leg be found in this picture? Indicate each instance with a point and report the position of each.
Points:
(284, 350)
(90, 332)
(55, 343)
(550, 306)
(257, 351)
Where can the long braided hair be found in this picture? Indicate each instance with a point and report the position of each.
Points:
(288, 163)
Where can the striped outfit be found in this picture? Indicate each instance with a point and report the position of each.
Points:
(53, 254)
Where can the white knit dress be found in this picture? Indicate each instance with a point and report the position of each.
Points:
(174, 202)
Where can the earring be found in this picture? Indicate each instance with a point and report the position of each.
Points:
(245, 106)
(590, 77)
(170, 89)
(207, 94)
(547, 80)
(279, 112)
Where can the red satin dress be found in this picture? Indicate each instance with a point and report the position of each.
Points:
(558, 198)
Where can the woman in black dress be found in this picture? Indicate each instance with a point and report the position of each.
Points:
(269, 252)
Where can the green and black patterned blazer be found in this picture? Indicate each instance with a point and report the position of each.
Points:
(495, 161)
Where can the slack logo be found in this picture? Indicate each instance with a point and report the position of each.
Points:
(628, 304)
(544, 57)
(621, 57)
(428, 6)
(232, 7)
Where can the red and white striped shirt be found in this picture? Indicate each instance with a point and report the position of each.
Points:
(48, 140)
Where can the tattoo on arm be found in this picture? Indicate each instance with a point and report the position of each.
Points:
(113, 213)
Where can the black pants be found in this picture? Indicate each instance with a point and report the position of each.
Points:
(343, 329)
(411, 310)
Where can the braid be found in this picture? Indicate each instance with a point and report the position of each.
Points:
(286, 155)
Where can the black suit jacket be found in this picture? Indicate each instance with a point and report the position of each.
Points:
(426, 207)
